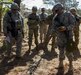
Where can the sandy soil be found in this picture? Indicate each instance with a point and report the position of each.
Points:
(36, 62)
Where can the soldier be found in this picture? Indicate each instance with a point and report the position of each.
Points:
(63, 25)
(13, 28)
(43, 25)
(50, 34)
(76, 28)
(33, 21)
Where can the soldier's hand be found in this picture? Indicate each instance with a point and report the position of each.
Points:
(62, 28)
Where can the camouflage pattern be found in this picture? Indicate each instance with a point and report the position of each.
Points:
(76, 28)
(18, 23)
(33, 21)
(67, 20)
(43, 26)
(76, 31)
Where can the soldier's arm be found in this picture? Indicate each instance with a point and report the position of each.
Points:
(23, 27)
(71, 21)
(48, 20)
(55, 24)
(22, 23)
(40, 19)
(79, 19)
(37, 21)
(5, 24)
(28, 19)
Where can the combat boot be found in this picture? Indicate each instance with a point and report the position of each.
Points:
(29, 48)
(61, 64)
(70, 66)
(18, 54)
(53, 51)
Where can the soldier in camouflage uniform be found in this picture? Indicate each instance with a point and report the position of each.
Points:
(33, 21)
(13, 28)
(76, 28)
(43, 25)
(63, 25)
(50, 34)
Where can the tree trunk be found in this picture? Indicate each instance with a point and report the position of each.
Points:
(0, 17)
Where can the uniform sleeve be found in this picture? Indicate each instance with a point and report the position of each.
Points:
(77, 20)
(38, 19)
(22, 23)
(55, 24)
(28, 19)
(72, 21)
(47, 20)
(46, 15)
(22, 19)
(5, 23)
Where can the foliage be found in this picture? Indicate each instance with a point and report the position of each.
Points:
(5, 5)
(66, 3)
(3, 8)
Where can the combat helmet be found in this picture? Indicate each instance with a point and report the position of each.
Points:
(14, 6)
(34, 8)
(73, 9)
(58, 6)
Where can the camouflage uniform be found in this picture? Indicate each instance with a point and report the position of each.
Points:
(33, 21)
(76, 28)
(43, 25)
(63, 25)
(13, 28)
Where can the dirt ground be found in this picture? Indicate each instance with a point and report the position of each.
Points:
(36, 62)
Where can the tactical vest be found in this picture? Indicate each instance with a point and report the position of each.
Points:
(13, 29)
(33, 20)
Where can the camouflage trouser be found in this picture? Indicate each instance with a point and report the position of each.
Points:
(18, 41)
(50, 35)
(43, 31)
(63, 52)
(62, 43)
(33, 31)
(76, 35)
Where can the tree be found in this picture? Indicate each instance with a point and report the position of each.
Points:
(0, 15)
(66, 3)
(1, 8)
